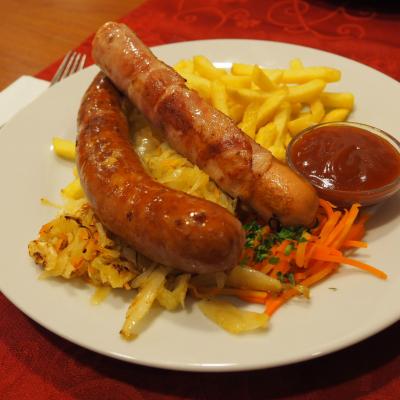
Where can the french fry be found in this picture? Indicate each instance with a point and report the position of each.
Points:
(287, 139)
(317, 110)
(336, 115)
(219, 98)
(296, 63)
(307, 92)
(242, 69)
(296, 109)
(275, 75)
(303, 75)
(282, 118)
(236, 112)
(295, 126)
(278, 148)
(236, 82)
(261, 79)
(184, 66)
(64, 148)
(249, 122)
(337, 100)
(206, 69)
(266, 135)
(199, 84)
(269, 107)
(246, 96)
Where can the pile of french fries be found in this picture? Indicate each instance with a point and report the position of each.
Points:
(269, 105)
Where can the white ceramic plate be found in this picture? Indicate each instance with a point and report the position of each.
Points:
(361, 306)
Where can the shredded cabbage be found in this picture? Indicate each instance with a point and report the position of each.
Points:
(168, 167)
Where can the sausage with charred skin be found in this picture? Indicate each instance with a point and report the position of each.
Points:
(167, 226)
(205, 136)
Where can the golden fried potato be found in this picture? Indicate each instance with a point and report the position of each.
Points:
(64, 148)
(270, 105)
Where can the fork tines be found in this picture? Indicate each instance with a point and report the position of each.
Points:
(72, 62)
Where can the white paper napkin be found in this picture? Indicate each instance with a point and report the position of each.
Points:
(19, 94)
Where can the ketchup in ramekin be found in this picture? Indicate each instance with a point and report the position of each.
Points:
(347, 162)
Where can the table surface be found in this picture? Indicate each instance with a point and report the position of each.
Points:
(34, 33)
(36, 364)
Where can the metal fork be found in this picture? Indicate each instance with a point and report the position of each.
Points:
(72, 62)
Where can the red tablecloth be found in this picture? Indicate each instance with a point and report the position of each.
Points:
(35, 364)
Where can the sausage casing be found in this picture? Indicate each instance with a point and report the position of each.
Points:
(167, 226)
(205, 136)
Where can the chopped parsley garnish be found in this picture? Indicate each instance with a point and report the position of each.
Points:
(274, 260)
(288, 249)
(253, 233)
(291, 279)
(261, 243)
(286, 278)
(261, 252)
(291, 233)
(252, 227)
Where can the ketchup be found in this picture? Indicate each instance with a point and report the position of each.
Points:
(342, 157)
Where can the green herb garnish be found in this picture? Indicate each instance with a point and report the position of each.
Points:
(286, 278)
(288, 249)
(274, 260)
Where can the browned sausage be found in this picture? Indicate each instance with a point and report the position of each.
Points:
(167, 226)
(201, 133)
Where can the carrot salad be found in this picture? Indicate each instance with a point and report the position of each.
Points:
(300, 257)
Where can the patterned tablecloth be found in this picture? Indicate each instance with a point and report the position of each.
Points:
(35, 364)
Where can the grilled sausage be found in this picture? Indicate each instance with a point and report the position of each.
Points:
(168, 226)
(205, 136)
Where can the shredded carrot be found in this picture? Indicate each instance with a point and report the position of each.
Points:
(255, 294)
(301, 250)
(266, 268)
(300, 276)
(327, 206)
(329, 225)
(281, 248)
(349, 220)
(357, 231)
(271, 305)
(355, 243)
(302, 261)
(301, 257)
(321, 251)
(281, 268)
(337, 229)
(344, 260)
(328, 269)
